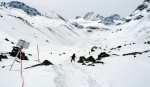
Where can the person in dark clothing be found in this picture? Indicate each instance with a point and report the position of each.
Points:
(73, 57)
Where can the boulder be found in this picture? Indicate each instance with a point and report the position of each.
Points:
(91, 59)
(14, 52)
(46, 62)
(23, 57)
(2, 56)
(92, 49)
(102, 55)
(81, 59)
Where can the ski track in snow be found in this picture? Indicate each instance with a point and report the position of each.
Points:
(91, 81)
(69, 73)
(60, 78)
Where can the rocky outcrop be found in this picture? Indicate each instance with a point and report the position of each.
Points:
(53, 15)
(20, 5)
(91, 16)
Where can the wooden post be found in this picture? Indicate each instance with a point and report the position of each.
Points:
(38, 54)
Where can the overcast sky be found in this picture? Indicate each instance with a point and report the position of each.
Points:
(71, 8)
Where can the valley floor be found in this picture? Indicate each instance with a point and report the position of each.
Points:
(116, 72)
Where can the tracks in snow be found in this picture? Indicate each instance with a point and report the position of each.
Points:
(60, 76)
(72, 75)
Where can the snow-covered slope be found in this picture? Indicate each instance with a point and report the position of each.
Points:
(53, 15)
(141, 11)
(127, 44)
(36, 29)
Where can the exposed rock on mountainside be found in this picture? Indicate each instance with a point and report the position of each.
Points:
(53, 15)
(78, 17)
(110, 20)
(91, 16)
(77, 25)
(20, 5)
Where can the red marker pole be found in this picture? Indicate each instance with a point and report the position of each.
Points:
(20, 50)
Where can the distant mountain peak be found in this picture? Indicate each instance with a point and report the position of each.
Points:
(53, 15)
(91, 16)
(20, 5)
(115, 17)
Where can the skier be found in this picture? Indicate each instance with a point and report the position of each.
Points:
(73, 57)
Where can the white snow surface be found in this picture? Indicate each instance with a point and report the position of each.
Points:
(117, 71)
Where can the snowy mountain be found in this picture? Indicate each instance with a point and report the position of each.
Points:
(41, 28)
(91, 20)
(139, 13)
(106, 56)
(91, 16)
(19, 5)
(110, 20)
(53, 15)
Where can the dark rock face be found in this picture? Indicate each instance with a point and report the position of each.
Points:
(46, 62)
(2, 56)
(138, 17)
(91, 59)
(148, 10)
(19, 5)
(23, 57)
(97, 17)
(92, 49)
(135, 53)
(6, 39)
(128, 20)
(89, 31)
(102, 55)
(14, 52)
(77, 25)
(81, 59)
(119, 47)
(78, 17)
(92, 27)
(142, 7)
(110, 20)
(148, 42)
